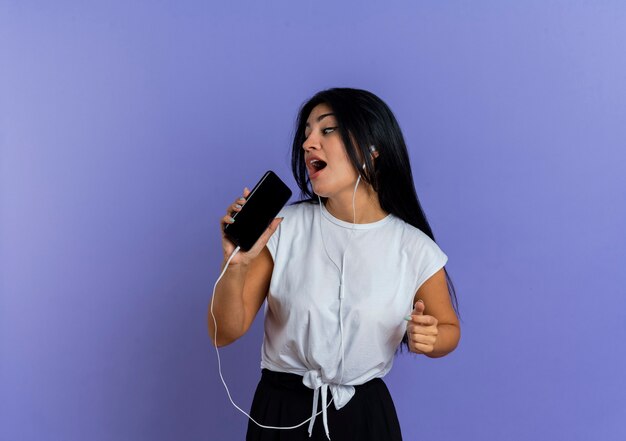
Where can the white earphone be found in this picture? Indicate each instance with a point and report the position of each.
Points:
(372, 150)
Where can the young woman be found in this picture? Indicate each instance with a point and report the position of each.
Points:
(350, 273)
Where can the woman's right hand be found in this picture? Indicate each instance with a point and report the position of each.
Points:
(244, 257)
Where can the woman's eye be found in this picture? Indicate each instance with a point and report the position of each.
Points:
(328, 130)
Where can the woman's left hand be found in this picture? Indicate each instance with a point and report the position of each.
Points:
(422, 330)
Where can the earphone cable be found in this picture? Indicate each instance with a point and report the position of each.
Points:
(341, 270)
(219, 362)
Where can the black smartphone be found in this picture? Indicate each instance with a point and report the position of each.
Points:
(262, 205)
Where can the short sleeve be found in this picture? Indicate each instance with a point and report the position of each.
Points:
(431, 259)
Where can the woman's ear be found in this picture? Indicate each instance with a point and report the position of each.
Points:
(374, 151)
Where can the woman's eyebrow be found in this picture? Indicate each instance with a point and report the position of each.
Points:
(321, 117)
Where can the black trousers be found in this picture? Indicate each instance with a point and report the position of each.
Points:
(283, 400)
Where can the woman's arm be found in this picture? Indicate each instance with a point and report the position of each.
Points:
(239, 296)
(434, 327)
(243, 287)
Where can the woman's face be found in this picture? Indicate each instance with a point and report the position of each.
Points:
(329, 167)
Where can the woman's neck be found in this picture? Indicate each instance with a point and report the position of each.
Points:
(366, 203)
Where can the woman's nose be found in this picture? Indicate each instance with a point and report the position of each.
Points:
(310, 143)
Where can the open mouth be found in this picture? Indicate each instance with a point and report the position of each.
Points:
(317, 164)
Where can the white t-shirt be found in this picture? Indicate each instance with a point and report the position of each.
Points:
(385, 264)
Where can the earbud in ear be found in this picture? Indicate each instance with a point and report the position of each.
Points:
(372, 150)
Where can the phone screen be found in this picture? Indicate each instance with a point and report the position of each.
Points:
(262, 205)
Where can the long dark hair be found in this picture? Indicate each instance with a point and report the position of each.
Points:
(364, 120)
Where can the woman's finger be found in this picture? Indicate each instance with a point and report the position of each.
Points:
(421, 348)
(423, 330)
(226, 220)
(425, 320)
(424, 339)
(234, 208)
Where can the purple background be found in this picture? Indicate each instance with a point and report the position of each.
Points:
(127, 127)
